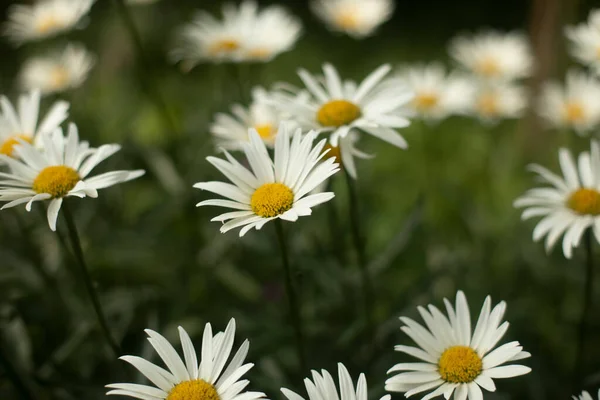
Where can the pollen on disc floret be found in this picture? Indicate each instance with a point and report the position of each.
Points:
(57, 180)
(272, 199)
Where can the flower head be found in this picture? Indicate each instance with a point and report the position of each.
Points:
(570, 204)
(190, 378)
(356, 18)
(58, 71)
(576, 105)
(455, 359)
(60, 169)
(585, 41)
(494, 56)
(501, 100)
(585, 396)
(272, 189)
(21, 123)
(44, 19)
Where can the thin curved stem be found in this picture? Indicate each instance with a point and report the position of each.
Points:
(87, 279)
(294, 306)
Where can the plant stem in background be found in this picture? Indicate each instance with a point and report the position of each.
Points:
(359, 246)
(587, 301)
(23, 387)
(147, 83)
(295, 315)
(78, 251)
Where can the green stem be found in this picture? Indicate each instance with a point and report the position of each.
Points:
(147, 83)
(295, 315)
(78, 251)
(20, 383)
(587, 301)
(359, 246)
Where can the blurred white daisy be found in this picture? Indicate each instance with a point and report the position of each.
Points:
(231, 130)
(272, 189)
(574, 105)
(356, 18)
(60, 170)
(455, 359)
(585, 41)
(244, 34)
(21, 122)
(58, 71)
(45, 18)
(377, 106)
(209, 378)
(437, 93)
(492, 103)
(322, 386)
(346, 151)
(585, 396)
(570, 204)
(494, 55)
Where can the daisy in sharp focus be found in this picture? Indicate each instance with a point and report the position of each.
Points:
(20, 122)
(377, 106)
(209, 378)
(322, 386)
(494, 102)
(438, 94)
(494, 55)
(60, 169)
(44, 19)
(356, 18)
(574, 105)
(569, 204)
(585, 41)
(58, 71)
(271, 189)
(585, 396)
(455, 359)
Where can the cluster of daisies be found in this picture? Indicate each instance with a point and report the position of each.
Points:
(453, 358)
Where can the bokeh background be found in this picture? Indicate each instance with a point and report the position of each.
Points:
(437, 217)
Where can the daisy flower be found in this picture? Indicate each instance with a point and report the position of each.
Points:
(437, 93)
(271, 189)
(585, 396)
(58, 71)
(570, 204)
(585, 41)
(244, 34)
(455, 359)
(187, 378)
(21, 123)
(231, 130)
(356, 18)
(497, 101)
(60, 170)
(44, 19)
(322, 386)
(494, 55)
(376, 106)
(576, 105)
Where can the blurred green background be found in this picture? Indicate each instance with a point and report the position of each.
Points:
(437, 217)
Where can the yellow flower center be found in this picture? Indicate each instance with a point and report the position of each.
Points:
(487, 104)
(347, 19)
(333, 152)
(424, 102)
(459, 364)
(585, 202)
(59, 77)
(271, 200)
(574, 112)
(265, 130)
(9, 144)
(337, 113)
(197, 389)
(260, 53)
(224, 46)
(488, 67)
(56, 180)
(48, 24)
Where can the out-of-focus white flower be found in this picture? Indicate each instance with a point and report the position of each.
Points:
(585, 41)
(437, 93)
(492, 103)
(58, 71)
(574, 105)
(585, 396)
(244, 34)
(357, 18)
(494, 55)
(44, 19)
